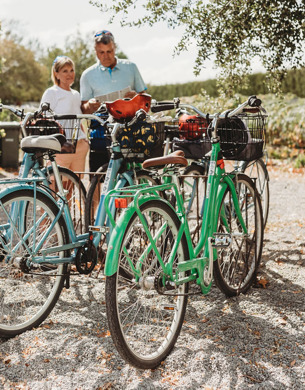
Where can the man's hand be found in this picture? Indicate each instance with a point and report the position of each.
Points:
(90, 106)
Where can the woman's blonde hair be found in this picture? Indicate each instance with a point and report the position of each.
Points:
(58, 64)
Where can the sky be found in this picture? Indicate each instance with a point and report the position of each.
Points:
(151, 48)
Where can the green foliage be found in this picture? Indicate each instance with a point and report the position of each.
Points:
(168, 91)
(22, 78)
(235, 32)
(300, 161)
(285, 130)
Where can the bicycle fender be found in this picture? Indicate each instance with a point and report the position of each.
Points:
(116, 238)
(21, 187)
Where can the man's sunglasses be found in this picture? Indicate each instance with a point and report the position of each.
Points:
(103, 32)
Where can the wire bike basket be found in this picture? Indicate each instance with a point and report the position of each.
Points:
(242, 137)
(68, 127)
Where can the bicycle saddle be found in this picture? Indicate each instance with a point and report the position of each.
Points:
(42, 143)
(125, 109)
(176, 157)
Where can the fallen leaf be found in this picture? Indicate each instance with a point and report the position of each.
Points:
(263, 282)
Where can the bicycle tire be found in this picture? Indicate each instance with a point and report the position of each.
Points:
(77, 201)
(136, 312)
(94, 191)
(236, 265)
(76, 196)
(194, 189)
(28, 292)
(257, 170)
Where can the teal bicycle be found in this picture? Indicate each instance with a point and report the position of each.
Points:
(151, 264)
(39, 247)
(43, 122)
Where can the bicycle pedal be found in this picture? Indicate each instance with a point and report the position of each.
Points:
(221, 240)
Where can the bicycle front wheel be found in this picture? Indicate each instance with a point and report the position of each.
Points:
(145, 322)
(238, 260)
(76, 195)
(28, 291)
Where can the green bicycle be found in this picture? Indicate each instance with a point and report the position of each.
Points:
(151, 265)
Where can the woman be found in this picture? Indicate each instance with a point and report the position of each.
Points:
(65, 100)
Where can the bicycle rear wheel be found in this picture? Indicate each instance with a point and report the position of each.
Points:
(237, 263)
(145, 324)
(76, 196)
(28, 291)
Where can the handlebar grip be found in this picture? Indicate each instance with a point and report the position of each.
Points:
(163, 107)
(45, 106)
(141, 115)
(253, 101)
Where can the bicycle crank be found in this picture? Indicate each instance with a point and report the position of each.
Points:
(86, 259)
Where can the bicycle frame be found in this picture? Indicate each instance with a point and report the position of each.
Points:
(113, 180)
(200, 267)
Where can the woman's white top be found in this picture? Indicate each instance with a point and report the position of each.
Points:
(64, 102)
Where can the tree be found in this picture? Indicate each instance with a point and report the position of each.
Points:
(234, 32)
(22, 78)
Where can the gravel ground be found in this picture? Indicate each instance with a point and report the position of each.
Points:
(255, 341)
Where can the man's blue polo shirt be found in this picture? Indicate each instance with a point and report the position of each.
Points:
(99, 80)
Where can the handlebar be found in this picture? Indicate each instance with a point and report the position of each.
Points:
(253, 102)
(16, 111)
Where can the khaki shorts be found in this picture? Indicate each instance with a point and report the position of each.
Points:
(75, 161)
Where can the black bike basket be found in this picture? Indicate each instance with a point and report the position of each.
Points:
(242, 138)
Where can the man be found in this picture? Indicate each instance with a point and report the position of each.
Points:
(109, 74)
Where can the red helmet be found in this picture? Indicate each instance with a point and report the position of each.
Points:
(126, 108)
(192, 127)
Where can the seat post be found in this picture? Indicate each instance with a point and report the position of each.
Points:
(58, 181)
